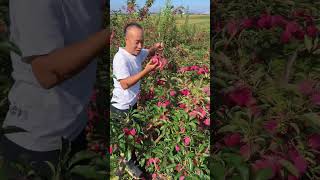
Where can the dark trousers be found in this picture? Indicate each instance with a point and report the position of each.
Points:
(119, 115)
(35, 159)
(121, 112)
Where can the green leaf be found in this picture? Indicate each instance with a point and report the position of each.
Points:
(290, 167)
(316, 52)
(219, 81)
(51, 166)
(190, 163)
(227, 128)
(226, 76)
(235, 177)
(128, 154)
(221, 57)
(122, 146)
(233, 159)
(121, 135)
(315, 43)
(313, 118)
(82, 156)
(218, 171)
(193, 125)
(178, 139)
(295, 127)
(264, 174)
(6, 47)
(88, 172)
(244, 171)
(130, 138)
(308, 43)
(170, 166)
(3, 173)
(137, 116)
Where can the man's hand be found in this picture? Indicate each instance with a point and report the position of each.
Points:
(151, 66)
(132, 80)
(156, 47)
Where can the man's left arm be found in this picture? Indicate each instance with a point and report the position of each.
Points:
(154, 48)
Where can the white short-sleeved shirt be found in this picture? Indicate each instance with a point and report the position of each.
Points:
(39, 27)
(126, 65)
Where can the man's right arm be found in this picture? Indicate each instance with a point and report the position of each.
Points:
(61, 64)
(132, 80)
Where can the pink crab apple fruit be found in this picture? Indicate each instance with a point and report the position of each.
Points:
(155, 59)
(314, 141)
(232, 28)
(232, 140)
(207, 122)
(177, 148)
(312, 31)
(186, 140)
(133, 132)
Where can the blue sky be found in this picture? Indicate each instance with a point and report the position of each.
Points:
(194, 5)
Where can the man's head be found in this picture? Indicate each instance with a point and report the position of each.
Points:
(134, 38)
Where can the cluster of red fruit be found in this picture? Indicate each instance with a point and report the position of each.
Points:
(161, 61)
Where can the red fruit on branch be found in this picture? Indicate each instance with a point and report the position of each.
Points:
(247, 23)
(207, 122)
(278, 20)
(173, 93)
(179, 167)
(185, 92)
(177, 148)
(271, 126)
(292, 27)
(265, 21)
(314, 141)
(232, 139)
(126, 131)
(268, 162)
(155, 59)
(312, 31)
(182, 130)
(161, 82)
(186, 140)
(241, 96)
(182, 106)
(298, 160)
(133, 132)
(232, 28)
(161, 61)
(306, 87)
(286, 36)
(315, 98)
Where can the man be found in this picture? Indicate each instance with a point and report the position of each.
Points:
(54, 77)
(128, 72)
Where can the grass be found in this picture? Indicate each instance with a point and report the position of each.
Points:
(200, 21)
(194, 19)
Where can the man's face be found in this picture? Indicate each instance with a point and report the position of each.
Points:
(134, 40)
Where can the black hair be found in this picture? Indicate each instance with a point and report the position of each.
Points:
(132, 24)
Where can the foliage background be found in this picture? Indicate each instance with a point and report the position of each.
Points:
(266, 83)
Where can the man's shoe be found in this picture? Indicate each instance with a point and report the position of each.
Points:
(133, 169)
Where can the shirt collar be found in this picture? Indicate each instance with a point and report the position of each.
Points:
(123, 50)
